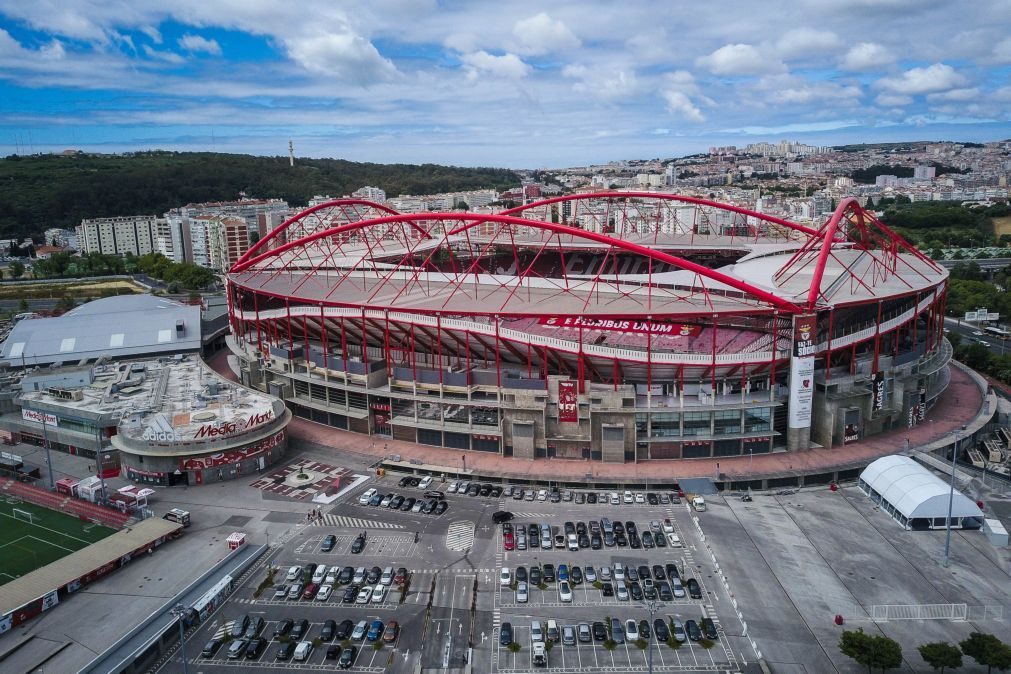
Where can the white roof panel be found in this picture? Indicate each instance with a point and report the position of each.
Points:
(914, 491)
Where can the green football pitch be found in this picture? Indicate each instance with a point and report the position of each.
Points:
(32, 536)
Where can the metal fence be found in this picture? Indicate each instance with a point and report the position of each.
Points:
(885, 612)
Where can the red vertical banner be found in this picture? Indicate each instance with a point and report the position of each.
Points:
(568, 402)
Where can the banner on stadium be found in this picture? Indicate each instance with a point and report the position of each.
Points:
(802, 371)
(621, 325)
(568, 402)
(878, 391)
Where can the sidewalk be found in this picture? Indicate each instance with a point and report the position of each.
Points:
(959, 404)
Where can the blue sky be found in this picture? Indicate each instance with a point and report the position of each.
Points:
(519, 84)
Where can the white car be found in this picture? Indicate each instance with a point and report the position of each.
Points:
(359, 632)
(387, 577)
(619, 572)
(605, 573)
(379, 594)
(542, 495)
(615, 498)
(426, 482)
(416, 508)
(640, 498)
(654, 526)
(589, 574)
(628, 496)
(668, 526)
(977, 333)
(319, 574)
(521, 592)
(631, 630)
(324, 593)
(462, 489)
(564, 592)
(621, 592)
(364, 595)
(677, 588)
(359, 576)
(385, 503)
(674, 540)
(505, 577)
(294, 573)
(367, 496)
(453, 486)
(536, 633)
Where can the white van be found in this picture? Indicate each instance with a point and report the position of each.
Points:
(425, 483)
(303, 651)
(367, 496)
(699, 504)
(536, 635)
(539, 655)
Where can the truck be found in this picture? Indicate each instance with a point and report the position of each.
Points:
(539, 655)
(699, 504)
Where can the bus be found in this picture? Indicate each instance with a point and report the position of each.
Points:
(998, 332)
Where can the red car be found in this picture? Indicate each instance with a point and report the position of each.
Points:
(310, 591)
(401, 576)
(507, 540)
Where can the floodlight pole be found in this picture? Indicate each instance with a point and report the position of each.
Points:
(45, 443)
(179, 611)
(98, 459)
(951, 498)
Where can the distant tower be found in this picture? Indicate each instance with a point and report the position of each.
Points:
(291, 153)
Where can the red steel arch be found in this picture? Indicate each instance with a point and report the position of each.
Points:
(469, 221)
(335, 203)
(663, 196)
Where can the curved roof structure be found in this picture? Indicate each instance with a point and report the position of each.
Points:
(914, 491)
(125, 325)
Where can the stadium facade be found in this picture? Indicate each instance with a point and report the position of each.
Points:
(613, 326)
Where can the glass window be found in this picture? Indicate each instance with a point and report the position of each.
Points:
(641, 425)
(758, 420)
(697, 423)
(665, 425)
(727, 422)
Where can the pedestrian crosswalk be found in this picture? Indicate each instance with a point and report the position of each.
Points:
(354, 523)
(460, 536)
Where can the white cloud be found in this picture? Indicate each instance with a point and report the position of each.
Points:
(1002, 51)
(196, 44)
(507, 66)
(936, 77)
(152, 33)
(541, 34)
(681, 96)
(893, 100)
(806, 41)
(955, 95)
(166, 56)
(346, 56)
(866, 56)
(739, 59)
(1003, 94)
(602, 83)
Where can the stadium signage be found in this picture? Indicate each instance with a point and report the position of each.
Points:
(878, 388)
(802, 371)
(232, 456)
(39, 417)
(621, 325)
(568, 405)
(232, 427)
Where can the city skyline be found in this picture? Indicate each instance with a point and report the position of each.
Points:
(478, 84)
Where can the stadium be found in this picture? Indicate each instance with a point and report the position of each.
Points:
(609, 326)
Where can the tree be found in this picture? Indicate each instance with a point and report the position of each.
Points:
(23, 305)
(17, 269)
(885, 654)
(986, 649)
(857, 645)
(941, 654)
(872, 651)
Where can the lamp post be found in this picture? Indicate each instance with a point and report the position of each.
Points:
(49, 458)
(652, 606)
(179, 611)
(951, 498)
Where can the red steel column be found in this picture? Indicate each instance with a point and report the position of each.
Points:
(828, 351)
(326, 344)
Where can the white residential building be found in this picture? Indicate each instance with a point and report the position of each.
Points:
(136, 234)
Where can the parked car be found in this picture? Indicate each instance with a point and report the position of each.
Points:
(326, 632)
(617, 631)
(359, 631)
(522, 595)
(564, 592)
(631, 630)
(679, 631)
(283, 627)
(210, 648)
(391, 632)
(328, 543)
(285, 651)
(709, 628)
(694, 589)
(599, 631)
(347, 657)
(505, 634)
(299, 629)
(344, 630)
(661, 630)
(693, 631)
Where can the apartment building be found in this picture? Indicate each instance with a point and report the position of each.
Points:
(136, 234)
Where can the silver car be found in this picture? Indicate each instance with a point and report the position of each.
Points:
(521, 593)
(679, 631)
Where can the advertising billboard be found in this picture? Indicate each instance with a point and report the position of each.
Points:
(568, 402)
(878, 391)
(802, 370)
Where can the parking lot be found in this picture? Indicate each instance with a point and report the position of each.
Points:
(454, 604)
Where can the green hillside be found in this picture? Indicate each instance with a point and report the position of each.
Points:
(58, 191)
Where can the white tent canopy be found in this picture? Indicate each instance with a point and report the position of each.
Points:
(908, 491)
